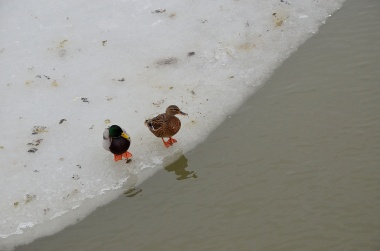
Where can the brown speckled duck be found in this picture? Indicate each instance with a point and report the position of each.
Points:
(166, 125)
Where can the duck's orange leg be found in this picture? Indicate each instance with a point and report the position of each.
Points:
(172, 141)
(117, 157)
(127, 155)
(167, 144)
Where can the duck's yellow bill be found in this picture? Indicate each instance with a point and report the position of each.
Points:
(124, 135)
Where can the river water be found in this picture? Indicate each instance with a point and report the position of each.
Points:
(295, 168)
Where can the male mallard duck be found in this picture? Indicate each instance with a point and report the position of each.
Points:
(166, 124)
(117, 141)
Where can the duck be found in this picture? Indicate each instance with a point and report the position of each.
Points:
(166, 125)
(117, 141)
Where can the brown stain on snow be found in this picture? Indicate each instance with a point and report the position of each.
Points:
(246, 46)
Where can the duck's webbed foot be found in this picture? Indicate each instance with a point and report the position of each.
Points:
(117, 157)
(167, 143)
(126, 155)
(172, 141)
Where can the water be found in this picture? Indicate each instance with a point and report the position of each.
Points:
(295, 168)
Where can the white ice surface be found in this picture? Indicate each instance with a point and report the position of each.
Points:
(97, 63)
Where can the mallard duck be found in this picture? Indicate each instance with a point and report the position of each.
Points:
(166, 125)
(117, 141)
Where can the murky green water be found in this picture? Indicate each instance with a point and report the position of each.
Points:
(296, 168)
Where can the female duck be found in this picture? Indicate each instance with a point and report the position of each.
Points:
(166, 125)
(117, 141)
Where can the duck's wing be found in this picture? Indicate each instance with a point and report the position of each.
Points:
(158, 123)
(106, 140)
(106, 134)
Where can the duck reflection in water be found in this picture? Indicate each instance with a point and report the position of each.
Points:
(179, 168)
